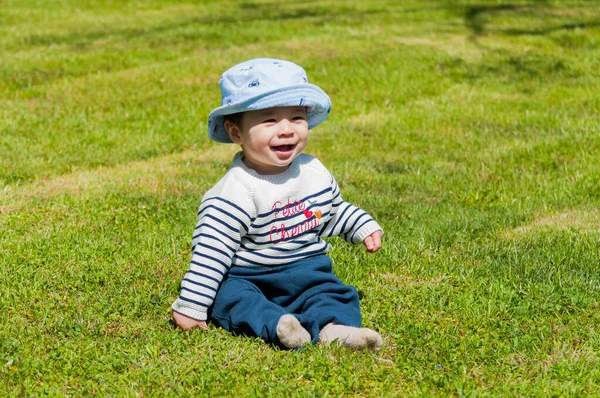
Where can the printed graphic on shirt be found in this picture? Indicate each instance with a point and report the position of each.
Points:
(285, 227)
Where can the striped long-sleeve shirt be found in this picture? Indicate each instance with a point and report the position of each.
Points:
(248, 220)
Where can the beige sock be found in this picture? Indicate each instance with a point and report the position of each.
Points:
(291, 333)
(351, 337)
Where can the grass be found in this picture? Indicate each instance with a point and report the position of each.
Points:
(468, 129)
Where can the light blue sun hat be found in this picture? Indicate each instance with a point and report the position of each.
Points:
(266, 83)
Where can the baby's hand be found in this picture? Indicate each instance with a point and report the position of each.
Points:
(187, 323)
(373, 241)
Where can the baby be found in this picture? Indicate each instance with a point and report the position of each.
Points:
(259, 265)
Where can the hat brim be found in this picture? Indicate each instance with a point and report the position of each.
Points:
(316, 100)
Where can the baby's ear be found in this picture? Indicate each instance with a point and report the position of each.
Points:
(233, 131)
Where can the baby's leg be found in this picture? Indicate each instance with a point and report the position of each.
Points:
(335, 308)
(241, 308)
(290, 333)
(351, 337)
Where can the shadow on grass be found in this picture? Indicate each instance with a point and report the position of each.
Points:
(476, 15)
(504, 64)
(209, 32)
(545, 31)
(246, 12)
(476, 19)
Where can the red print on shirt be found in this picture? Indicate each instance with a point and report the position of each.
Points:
(280, 233)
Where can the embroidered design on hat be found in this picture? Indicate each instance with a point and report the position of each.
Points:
(254, 83)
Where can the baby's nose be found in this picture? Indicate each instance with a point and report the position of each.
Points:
(285, 128)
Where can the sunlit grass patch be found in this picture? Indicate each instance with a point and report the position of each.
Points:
(573, 220)
(159, 176)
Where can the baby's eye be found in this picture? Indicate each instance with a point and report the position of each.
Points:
(269, 121)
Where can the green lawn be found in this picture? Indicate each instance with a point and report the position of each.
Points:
(470, 130)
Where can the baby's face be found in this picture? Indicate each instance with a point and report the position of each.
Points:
(271, 138)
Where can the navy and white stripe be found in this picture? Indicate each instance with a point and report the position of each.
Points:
(347, 220)
(216, 239)
(239, 227)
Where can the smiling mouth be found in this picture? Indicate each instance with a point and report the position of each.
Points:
(283, 148)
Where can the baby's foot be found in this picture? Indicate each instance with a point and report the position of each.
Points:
(351, 337)
(291, 333)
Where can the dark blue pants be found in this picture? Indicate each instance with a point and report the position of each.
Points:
(250, 301)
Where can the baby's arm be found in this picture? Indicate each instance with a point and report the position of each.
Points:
(373, 241)
(351, 223)
(221, 225)
(187, 323)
